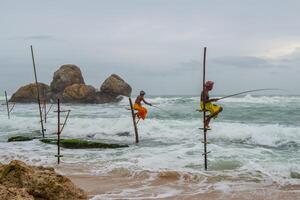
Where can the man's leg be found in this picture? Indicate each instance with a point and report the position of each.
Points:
(207, 121)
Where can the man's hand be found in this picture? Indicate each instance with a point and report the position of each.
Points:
(214, 99)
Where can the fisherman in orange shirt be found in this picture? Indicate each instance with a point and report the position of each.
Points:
(142, 111)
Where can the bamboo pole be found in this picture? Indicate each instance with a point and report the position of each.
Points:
(204, 111)
(7, 106)
(58, 131)
(134, 122)
(45, 106)
(59, 128)
(38, 93)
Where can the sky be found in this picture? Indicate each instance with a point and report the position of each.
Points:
(154, 45)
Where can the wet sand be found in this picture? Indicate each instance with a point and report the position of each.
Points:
(171, 185)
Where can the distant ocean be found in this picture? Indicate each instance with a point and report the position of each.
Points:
(256, 136)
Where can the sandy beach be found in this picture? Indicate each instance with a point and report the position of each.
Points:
(169, 185)
(112, 187)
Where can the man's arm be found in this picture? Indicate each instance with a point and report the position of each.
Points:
(146, 102)
(212, 100)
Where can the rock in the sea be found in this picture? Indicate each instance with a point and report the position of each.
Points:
(126, 133)
(295, 175)
(83, 144)
(68, 85)
(115, 85)
(65, 76)
(28, 93)
(102, 97)
(20, 181)
(21, 138)
(79, 93)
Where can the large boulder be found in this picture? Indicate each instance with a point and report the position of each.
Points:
(65, 76)
(29, 182)
(79, 93)
(102, 97)
(115, 85)
(28, 93)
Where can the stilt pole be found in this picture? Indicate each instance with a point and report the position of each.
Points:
(58, 131)
(45, 107)
(134, 121)
(38, 93)
(59, 128)
(204, 112)
(7, 107)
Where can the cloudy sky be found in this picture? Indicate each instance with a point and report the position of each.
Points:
(155, 45)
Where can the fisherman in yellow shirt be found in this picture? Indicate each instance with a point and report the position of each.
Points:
(213, 109)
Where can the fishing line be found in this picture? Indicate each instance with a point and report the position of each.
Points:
(248, 91)
(163, 110)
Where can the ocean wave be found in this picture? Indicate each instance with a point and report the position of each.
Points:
(263, 99)
(258, 138)
(269, 135)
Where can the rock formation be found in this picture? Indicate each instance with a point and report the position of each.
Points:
(68, 85)
(79, 93)
(28, 93)
(116, 86)
(20, 181)
(65, 76)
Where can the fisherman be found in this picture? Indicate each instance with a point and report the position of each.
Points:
(213, 109)
(142, 111)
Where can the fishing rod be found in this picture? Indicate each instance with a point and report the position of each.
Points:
(161, 109)
(158, 107)
(170, 113)
(248, 91)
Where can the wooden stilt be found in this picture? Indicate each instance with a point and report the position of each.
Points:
(204, 113)
(58, 132)
(38, 93)
(7, 106)
(59, 128)
(134, 121)
(45, 106)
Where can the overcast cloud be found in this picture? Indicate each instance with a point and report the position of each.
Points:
(155, 45)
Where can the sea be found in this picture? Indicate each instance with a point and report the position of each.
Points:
(255, 138)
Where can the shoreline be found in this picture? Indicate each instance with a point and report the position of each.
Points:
(169, 185)
(107, 187)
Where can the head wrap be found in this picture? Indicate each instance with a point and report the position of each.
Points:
(142, 92)
(209, 83)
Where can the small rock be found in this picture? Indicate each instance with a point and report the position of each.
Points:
(295, 175)
(126, 133)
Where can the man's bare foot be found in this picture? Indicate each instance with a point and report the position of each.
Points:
(206, 124)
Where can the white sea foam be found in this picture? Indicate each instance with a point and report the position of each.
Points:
(263, 99)
(170, 141)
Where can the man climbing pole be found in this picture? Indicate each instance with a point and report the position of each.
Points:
(213, 109)
(142, 111)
